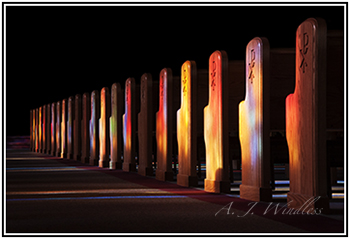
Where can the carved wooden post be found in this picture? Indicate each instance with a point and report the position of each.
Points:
(58, 128)
(36, 130)
(216, 125)
(306, 120)
(146, 126)
(64, 129)
(94, 128)
(129, 126)
(43, 131)
(31, 129)
(104, 127)
(254, 123)
(40, 127)
(70, 130)
(53, 129)
(77, 128)
(115, 126)
(186, 126)
(48, 128)
(85, 135)
(164, 126)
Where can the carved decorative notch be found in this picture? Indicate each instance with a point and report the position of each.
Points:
(251, 66)
(161, 86)
(143, 89)
(303, 51)
(185, 79)
(213, 76)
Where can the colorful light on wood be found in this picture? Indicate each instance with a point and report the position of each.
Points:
(31, 129)
(115, 127)
(85, 135)
(306, 117)
(64, 129)
(216, 125)
(58, 128)
(93, 129)
(48, 128)
(70, 133)
(254, 124)
(129, 126)
(186, 126)
(40, 127)
(146, 126)
(77, 128)
(43, 131)
(34, 130)
(53, 129)
(104, 127)
(164, 126)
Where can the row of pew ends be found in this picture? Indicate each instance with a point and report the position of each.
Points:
(279, 105)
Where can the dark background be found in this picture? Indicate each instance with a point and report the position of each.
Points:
(54, 52)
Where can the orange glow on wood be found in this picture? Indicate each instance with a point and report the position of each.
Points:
(186, 126)
(129, 126)
(35, 130)
(216, 125)
(164, 126)
(104, 127)
(40, 123)
(48, 128)
(43, 116)
(58, 128)
(63, 130)
(254, 124)
(53, 129)
(115, 127)
(306, 117)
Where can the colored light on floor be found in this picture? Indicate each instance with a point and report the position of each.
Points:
(337, 195)
(43, 169)
(95, 198)
(282, 182)
(279, 196)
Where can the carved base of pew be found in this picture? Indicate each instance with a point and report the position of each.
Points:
(85, 160)
(115, 165)
(255, 193)
(103, 163)
(76, 157)
(187, 181)
(63, 155)
(93, 162)
(213, 186)
(164, 175)
(53, 153)
(308, 204)
(47, 151)
(145, 171)
(129, 167)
